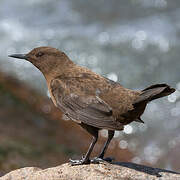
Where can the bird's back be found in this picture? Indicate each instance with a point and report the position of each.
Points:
(85, 82)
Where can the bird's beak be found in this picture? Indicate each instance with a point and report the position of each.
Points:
(19, 56)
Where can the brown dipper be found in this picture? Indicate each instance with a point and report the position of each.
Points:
(91, 100)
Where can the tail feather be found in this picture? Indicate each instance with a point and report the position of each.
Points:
(139, 120)
(154, 92)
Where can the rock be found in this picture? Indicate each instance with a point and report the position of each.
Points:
(104, 170)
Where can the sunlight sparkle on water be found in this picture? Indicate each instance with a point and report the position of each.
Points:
(104, 133)
(112, 76)
(128, 129)
(123, 144)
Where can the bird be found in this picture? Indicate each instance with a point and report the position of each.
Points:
(91, 100)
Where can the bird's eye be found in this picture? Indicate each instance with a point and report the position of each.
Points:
(39, 54)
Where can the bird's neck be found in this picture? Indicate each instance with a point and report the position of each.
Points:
(57, 69)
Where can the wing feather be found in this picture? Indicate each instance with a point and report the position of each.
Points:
(89, 109)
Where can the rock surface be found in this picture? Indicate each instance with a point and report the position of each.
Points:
(104, 170)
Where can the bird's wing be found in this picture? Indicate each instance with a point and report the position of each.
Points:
(88, 109)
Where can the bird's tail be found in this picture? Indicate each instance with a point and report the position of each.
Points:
(154, 92)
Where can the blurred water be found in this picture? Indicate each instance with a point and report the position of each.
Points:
(133, 42)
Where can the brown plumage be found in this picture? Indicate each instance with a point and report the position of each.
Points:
(89, 99)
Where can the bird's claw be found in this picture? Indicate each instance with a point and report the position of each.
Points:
(97, 160)
(79, 161)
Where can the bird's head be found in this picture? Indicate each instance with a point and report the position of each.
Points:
(44, 58)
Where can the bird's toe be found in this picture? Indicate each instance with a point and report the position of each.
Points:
(82, 161)
(97, 160)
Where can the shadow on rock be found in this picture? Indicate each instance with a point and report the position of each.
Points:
(145, 169)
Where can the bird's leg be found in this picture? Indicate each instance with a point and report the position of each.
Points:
(101, 155)
(85, 159)
(110, 136)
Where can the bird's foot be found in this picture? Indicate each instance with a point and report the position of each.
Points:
(79, 161)
(97, 160)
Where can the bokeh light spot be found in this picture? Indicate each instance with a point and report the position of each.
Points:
(112, 76)
(128, 129)
(123, 144)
